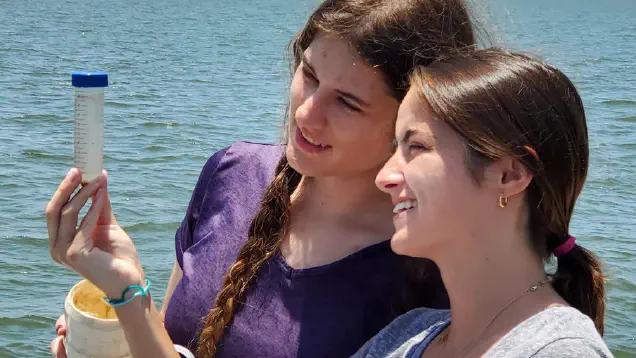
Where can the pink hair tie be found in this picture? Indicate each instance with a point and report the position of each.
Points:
(565, 247)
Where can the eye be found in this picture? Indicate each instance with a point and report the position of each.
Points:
(417, 147)
(309, 76)
(413, 149)
(348, 105)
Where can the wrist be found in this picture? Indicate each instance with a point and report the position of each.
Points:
(136, 315)
(116, 288)
(129, 294)
(138, 305)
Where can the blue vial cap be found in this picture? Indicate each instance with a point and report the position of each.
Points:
(90, 79)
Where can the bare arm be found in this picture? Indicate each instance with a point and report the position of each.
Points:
(144, 330)
(141, 321)
(175, 277)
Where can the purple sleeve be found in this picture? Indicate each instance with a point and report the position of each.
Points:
(183, 237)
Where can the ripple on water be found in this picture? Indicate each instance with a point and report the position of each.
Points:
(40, 117)
(629, 119)
(627, 146)
(28, 240)
(153, 159)
(38, 154)
(138, 95)
(156, 148)
(28, 322)
(118, 104)
(619, 102)
(160, 124)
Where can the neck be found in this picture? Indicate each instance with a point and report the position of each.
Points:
(335, 217)
(490, 283)
(342, 196)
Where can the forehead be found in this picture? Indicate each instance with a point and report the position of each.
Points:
(413, 112)
(339, 65)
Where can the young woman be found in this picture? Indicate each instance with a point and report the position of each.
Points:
(492, 153)
(307, 272)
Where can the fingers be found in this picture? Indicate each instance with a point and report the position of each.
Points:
(57, 347)
(62, 211)
(70, 212)
(83, 239)
(60, 198)
(60, 326)
(107, 217)
(89, 222)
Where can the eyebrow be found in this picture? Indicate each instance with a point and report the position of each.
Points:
(407, 135)
(348, 95)
(427, 138)
(353, 98)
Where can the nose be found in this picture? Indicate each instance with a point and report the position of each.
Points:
(390, 179)
(311, 113)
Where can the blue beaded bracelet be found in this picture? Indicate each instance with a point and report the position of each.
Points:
(141, 291)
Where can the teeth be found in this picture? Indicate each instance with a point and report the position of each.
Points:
(311, 141)
(405, 205)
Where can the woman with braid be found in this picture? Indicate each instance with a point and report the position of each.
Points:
(284, 250)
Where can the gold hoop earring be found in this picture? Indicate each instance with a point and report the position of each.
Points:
(502, 201)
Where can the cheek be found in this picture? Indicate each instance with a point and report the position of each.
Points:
(438, 191)
(383, 133)
(296, 93)
(364, 148)
(446, 196)
(362, 134)
(344, 128)
(430, 187)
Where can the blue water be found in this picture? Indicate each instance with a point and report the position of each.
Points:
(192, 76)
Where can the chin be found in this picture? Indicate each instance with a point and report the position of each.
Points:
(403, 244)
(400, 243)
(298, 161)
(308, 165)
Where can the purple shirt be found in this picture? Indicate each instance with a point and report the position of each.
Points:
(325, 311)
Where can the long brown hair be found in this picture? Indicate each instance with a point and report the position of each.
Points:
(512, 105)
(393, 36)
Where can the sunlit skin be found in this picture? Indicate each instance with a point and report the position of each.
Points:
(442, 213)
(345, 108)
(342, 104)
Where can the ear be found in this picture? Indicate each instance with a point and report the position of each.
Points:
(508, 177)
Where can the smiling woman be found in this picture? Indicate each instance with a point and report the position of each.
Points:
(343, 112)
(284, 250)
(492, 156)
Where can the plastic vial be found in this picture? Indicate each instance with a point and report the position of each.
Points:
(89, 122)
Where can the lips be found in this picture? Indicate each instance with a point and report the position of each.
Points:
(308, 144)
(404, 206)
(314, 142)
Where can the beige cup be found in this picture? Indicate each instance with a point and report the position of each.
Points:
(92, 328)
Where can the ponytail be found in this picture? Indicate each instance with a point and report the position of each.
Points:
(269, 227)
(580, 281)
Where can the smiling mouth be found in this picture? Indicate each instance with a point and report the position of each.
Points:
(312, 142)
(404, 206)
(309, 145)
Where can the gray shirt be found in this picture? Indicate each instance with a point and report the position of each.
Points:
(554, 332)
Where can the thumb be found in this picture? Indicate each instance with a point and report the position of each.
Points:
(57, 347)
